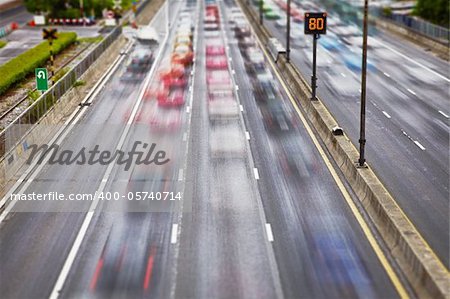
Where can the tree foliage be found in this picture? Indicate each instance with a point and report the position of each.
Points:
(71, 8)
(436, 11)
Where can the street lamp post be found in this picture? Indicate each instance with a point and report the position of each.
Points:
(82, 11)
(362, 136)
(288, 30)
(261, 14)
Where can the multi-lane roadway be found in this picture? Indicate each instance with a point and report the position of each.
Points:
(263, 212)
(407, 111)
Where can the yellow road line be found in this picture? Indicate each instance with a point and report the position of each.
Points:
(380, 254)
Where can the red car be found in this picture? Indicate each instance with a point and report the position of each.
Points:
(174, 98)
(175, 82)
(165, 121)
(176, 71)
(218, 78)
(213, 50)
(216, 63)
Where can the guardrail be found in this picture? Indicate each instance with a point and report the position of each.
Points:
(17, 129)
(421, 26)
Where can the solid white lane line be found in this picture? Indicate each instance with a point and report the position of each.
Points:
(180, 174)
(269, 232)
(415, 62)
(419, 145)
(411, 91)
(241, 108)
(237, 87)
(343, 75)
(173, 235)
(445, 115)
(256, 173)
(387, 75)
(247, 135)
(386, 114)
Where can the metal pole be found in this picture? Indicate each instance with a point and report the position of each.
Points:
(362, 136)
(261, 16)
(82, 11)
(313, 77)
(288, 30)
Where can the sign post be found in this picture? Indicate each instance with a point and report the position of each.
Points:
(50, 35)
(41, 79)
(315, 24)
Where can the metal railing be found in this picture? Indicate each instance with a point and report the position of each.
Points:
(421, 26)
(19, 128)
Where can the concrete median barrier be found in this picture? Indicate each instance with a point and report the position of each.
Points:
(426, 274)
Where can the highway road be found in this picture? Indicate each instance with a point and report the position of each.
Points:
(407, 127)
(263, 213)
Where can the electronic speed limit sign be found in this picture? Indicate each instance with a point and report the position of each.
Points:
(316, 23)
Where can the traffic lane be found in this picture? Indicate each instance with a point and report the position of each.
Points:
(427, 176)
(129, 253)
(425, 179)
(124, 255)
(67, 179)
(385, 66)
(306, 195)
(223, 251)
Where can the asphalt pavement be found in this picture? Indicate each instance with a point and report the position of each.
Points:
(406, 120)
(261, 214)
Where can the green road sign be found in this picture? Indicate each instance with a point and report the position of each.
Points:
(41, 78)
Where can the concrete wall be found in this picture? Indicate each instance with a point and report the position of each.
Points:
(425, 273)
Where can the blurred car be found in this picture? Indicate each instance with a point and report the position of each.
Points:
(272, 15)
(210, 19)
(165, 121)
(175, 71)
(215, 49)
(276, 116)
(138, 65)
(182, 54)
(242, 31)
(147, 34)
(211, 27)
(218, 81)
(224, 108)
(183, 40)
(354, 62)
(266, 91)
(216, 63)
(281, 23)
(175, 98)
(245, 43)
(174, 82)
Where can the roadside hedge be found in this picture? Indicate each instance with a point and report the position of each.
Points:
(19, 67)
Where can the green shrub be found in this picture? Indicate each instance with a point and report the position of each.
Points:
(2, 43)
(19, 67)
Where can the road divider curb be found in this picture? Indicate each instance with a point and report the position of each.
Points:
(428, 277)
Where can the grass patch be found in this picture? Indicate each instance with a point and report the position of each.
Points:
(2, 43)
(79, 83)
(19, 67)
(60, 74)
(90, 40)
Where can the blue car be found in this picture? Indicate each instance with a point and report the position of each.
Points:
(354, 62)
